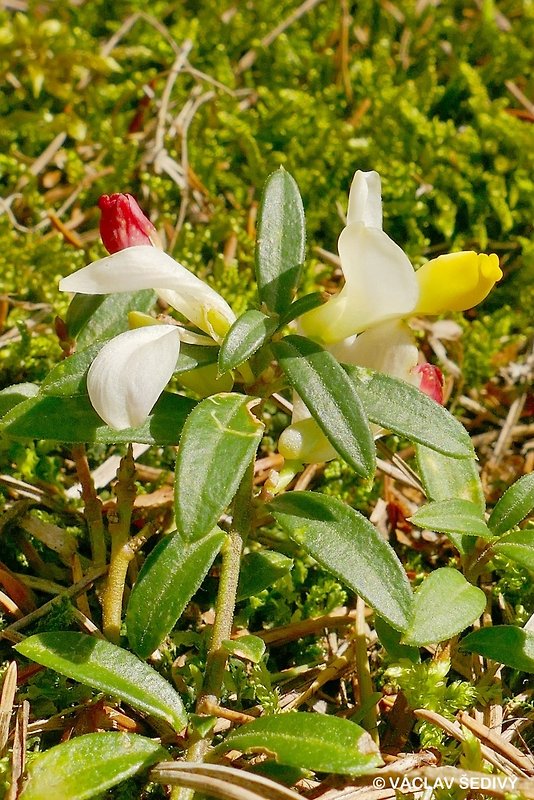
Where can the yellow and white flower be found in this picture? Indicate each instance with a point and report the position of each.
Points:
(364, 323)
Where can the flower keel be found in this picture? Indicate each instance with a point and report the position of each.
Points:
(130, 372)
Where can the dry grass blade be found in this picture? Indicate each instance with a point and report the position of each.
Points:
(338, 666)
(454, 729)
(221, 781)
(337, 618)
(18, 756)
(51, 536)
(498, 743)
(6, 703)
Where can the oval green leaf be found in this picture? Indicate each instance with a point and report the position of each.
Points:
(444, 477)
(301, 306)
(193, 356)
(250, 648)
(218, 443)
(452, 516)
(168, 579)
(349, 547)
(514, 505)
(88, 765)
(280, 241)
(445, 604)
(73, 419)
(389, 638)
(404, 409)
(518, 547)
(108, 668)
(506, 644)
(69, 377)
(259, 570)
(92, 318)
(310, 741)
(331, 399)
(11, 396)
(246, 335)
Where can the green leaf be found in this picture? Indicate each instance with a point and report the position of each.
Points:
(518, 547)
(108, 668)
(73, 419)
(246, 335)
(88, 765)
(193, 356)
(444, 477)
(331, 398)
(452, 516)
(506, 644)
(349, 547)
(259, 570)
(301, 306)
(280, 242)
(218, 443)
(251, 648)
(69, 376)
(168, 579)
(390, 639)
(445, 604)
(514, 505)
(309, 741)
(92, 318)
(404, 409)
(11, 396)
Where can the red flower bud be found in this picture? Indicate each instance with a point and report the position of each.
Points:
(123, 224)
(431, 381)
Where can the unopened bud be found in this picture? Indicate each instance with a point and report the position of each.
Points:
(123, 224)
(431, 382)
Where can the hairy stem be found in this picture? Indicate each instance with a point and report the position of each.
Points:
(119, 528)
(224, 613)
(363, 671)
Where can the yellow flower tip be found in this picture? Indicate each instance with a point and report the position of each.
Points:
(456, 282)
(217, 324)
(489, 267)
(136, 319)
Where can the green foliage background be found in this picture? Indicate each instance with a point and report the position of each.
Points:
(418, 91)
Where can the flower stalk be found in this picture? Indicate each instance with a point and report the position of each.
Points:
(119, 528)
(224, 612)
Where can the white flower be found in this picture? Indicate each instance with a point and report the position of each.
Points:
(130, 371)
(146, 267)
(363, 323)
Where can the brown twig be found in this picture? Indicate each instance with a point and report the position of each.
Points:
(93, 506)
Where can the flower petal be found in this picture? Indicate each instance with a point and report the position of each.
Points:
(365, 200)
(379, 285)
(389, 347)
(145, 267)
(130, 372)
(456, 281)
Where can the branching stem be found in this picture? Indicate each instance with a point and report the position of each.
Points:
(93, 506)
